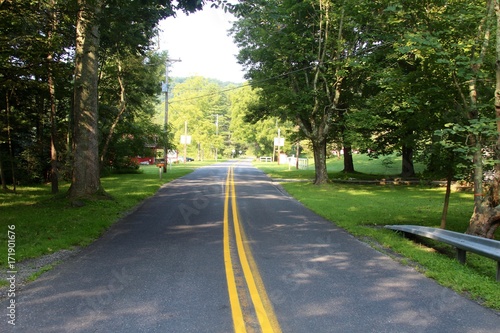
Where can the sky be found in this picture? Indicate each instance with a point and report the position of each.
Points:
(201, 42)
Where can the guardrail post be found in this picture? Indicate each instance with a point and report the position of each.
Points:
(461, 255)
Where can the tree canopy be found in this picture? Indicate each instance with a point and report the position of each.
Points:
(387, 76)
(61, 62)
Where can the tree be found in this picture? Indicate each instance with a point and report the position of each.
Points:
(467, 56)
(254, 138)
(300, 56)
(37, 54)
(456, 49)
(52, 26)
(486, 216)
(35, 43)
(243, 133)
(406, 91)
(138, 19)
(86, 180)
(203, 106)
(128, 92)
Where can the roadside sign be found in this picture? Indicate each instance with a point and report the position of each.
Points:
(185, 139)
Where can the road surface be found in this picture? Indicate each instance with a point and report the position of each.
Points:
(226, 250)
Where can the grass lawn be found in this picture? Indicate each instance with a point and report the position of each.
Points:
(365, 165)
(366, 168)
(45, 223)
(363, 210)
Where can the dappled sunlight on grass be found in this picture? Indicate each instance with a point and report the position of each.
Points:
(355, 193)
(365, 168)
(384, 165)
(376, 204)
(19, 203)
(363, 210)
(26, 196)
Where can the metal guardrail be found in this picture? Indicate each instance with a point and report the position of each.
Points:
(462, 242)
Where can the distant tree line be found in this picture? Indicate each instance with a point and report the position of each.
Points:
(214, 113)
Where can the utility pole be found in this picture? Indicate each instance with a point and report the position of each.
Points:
(165, 88)
(298, 155)
(217, 134)
(185, 140)
(274, 144)
(278, 149)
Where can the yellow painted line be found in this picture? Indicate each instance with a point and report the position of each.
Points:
(265, 314)
(237, 314)
(260, 286)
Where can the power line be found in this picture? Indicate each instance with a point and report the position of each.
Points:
(211, 94)
(244, 85)
(363, 51)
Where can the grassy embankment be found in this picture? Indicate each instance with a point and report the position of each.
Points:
(363, 210)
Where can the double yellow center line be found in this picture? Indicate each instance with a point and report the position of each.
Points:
(261, 304)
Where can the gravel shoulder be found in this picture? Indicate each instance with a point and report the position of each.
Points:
(26, 269)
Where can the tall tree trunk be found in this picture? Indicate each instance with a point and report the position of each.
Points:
(86, 171)
(486, 216)
(446, 204)
(54, 171)
(9, 142)
(297, 155)
(2, 174)
(319, 150)
(408, 169)
(122, 107)
(320, 117)
(496, 179)
(348, 161)
(316, 133)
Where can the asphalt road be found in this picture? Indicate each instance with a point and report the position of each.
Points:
(168, 267)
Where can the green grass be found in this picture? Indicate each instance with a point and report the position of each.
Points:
(45, 223)
(383, 166)
(363, 210)
(366, 168)
(42, 270)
